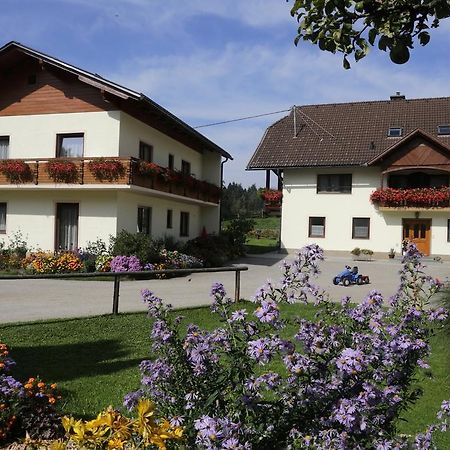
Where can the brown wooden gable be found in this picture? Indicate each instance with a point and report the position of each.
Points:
(417, 152)
(31, 87)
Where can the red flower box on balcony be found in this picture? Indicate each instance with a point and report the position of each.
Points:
(62, 171)
(16, 171)
(418, 197)
(106, 169)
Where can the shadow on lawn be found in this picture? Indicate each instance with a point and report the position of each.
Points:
(71, 361)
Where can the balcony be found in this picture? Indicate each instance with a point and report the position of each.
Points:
(417, 199)
(106, 171)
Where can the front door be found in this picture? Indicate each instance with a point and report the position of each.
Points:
(419, 232)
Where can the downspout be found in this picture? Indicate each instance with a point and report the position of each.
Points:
(221, 187)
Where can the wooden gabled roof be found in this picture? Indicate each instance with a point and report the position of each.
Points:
(347, 134)
(134, 103)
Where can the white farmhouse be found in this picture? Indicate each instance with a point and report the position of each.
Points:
(366, 174)
(83, 158)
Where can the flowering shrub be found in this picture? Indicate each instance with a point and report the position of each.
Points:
(103, 263)
(419, 197)
(63, 171)
(343, 383)
(112, 430)
(125, 264)
(106, 169)
(149, 169)
(271, 196)
(16, 171)
(41, 262)
(26, 407)
(177, 260)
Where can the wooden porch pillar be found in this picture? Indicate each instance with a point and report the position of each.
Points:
(267, 179)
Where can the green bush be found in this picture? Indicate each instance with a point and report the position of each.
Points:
(137, 244)
(211, 249)
(236, 235)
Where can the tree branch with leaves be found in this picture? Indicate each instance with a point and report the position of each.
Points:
(353, 27)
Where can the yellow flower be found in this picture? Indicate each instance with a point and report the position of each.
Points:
(115, 443)
(58, 445)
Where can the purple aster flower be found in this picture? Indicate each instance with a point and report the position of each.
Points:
(351, 361)
(268, 312)
(238, 316)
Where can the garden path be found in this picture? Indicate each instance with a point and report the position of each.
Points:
(27, 300)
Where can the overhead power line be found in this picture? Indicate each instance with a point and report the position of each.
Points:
(243, 118)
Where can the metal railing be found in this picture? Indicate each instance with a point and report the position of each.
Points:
(142, 274)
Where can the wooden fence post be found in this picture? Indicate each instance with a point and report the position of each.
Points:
(115, 309)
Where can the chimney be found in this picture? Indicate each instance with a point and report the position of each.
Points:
(397, 96)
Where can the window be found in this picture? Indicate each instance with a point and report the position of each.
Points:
(69, 145)
(184, 224)
(341, 183)
(4, 147)
(169, 218)
(144, 220)
(361, 228)
(316, 227)
(395, 131)
(66, 226)
(2, 218)
(185, 167)
(171, 162)
(444, 129)
(145, 151)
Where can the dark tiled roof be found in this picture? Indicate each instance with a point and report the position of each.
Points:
(346, 134)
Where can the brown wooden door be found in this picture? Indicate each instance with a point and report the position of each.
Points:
(419, 232)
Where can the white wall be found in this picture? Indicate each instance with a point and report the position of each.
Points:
(34, 136)
(132, 131)
(301, 201)
(33, 214)
(127, 218)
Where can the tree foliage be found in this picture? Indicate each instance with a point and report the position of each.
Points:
(352, 27)
(241, 202)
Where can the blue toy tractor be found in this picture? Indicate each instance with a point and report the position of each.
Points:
(350, 276)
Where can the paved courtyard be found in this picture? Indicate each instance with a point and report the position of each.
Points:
(26, 300)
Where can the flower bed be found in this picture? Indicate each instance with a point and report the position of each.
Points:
(106, 169)
(420, 197)
(344, 380)
(62, 171)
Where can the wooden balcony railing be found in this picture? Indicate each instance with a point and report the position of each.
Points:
(418, 198)
(110, 171)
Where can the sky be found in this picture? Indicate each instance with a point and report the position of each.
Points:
(208, 61)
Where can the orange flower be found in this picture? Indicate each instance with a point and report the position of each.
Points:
(28, 386)
(41, 385)
(53, 385)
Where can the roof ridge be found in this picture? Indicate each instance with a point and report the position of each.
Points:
(373, 101)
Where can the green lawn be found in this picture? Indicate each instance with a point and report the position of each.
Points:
(95, 360)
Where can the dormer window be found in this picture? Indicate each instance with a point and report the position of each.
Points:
(395, 131)
(444, 129)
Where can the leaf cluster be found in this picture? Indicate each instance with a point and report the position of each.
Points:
(353, 27)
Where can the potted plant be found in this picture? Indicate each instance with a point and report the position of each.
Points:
(391, 253)
(16, 171)
(356, 252)
(106, 169)
(62, 171)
